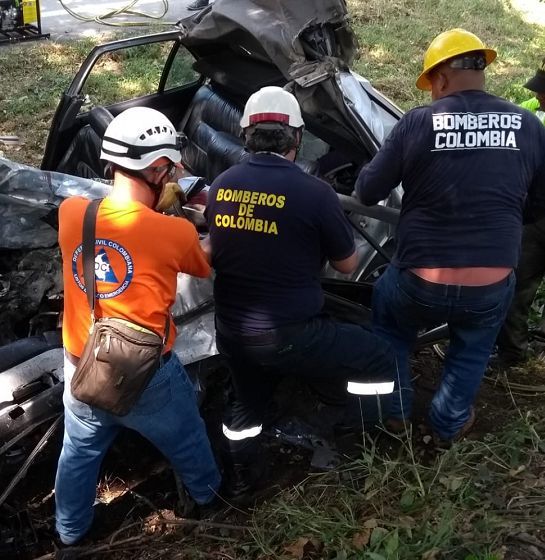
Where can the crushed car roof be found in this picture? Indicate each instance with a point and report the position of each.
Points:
(274, 30)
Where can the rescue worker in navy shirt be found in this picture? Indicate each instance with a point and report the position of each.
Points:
(466, 162)
(513, 337)
(271, 228)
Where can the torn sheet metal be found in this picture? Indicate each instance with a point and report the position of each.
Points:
(294, 431)
(31, 392)
(29, 198)
(191, 293)
(308, 42)
(275, 29)
(196, 339)
(46, 369)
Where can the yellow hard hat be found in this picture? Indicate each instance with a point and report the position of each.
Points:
(450, 44)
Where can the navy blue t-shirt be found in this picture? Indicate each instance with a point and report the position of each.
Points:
(271, 227)
(467, 162)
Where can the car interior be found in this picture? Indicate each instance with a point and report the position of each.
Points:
(211, 122)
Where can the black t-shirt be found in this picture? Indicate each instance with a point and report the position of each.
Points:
(466, 162)
(271, 227)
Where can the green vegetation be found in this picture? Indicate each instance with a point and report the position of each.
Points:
(394, 34)
(35, 75)
(461, 506)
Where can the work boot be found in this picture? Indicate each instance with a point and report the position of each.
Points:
(506, 361)
(63, 551)
(243, 467)
(397, 425)
(198, 5)
(241, 480)
(462, 432)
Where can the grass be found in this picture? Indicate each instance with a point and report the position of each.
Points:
(461, 506)
(481, 500)
(35, 75)
(394, 34)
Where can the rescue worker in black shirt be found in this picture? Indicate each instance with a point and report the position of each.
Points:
(513, 337)
(271, 228)
(466, 163)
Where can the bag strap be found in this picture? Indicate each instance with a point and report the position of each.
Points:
(88, 252)
(88, 256)
(167, 328)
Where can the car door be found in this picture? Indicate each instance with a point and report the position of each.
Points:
(152, 71)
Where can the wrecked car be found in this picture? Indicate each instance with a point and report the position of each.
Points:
(200, 75)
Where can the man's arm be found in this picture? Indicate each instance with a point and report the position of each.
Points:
(346, 266)
(193, 260)
(534, 209)
(383, 173)
(207, 248)
(336, 234)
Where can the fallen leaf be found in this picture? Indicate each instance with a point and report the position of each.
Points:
(361, 539)
(297, 549)
(302, 547)
(451, 483)
(517, 471)
(407, 500)
(483, 473)
(370, 523)
(432, 554)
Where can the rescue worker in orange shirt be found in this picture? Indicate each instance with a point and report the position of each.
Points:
(138, 254)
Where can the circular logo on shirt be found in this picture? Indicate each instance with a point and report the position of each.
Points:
(113, 268)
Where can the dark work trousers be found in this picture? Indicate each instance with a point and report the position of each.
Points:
(319, 349)
(513, 337)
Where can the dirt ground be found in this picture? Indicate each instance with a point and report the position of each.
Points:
(136, 483)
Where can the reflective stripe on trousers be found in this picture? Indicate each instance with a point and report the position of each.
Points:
(239, 435)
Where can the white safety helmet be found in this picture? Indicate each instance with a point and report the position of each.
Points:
(139, 136)
(272, 104)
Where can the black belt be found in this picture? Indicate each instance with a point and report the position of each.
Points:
(456, 289)
(266, 337)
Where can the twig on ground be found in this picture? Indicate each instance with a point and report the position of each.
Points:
(198, 523)
(528, 539)
(122, 529)
(83, 551)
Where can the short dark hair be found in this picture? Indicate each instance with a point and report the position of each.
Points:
(278, 140)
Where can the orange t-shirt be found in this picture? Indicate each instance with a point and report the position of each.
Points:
(138, 254)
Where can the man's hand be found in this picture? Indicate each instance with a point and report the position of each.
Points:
(170, 194)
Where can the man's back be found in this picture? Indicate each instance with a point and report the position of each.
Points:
(467, 161)
(138, 255)
(271, 228)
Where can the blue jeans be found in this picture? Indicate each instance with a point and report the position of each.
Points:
(403, 304)
(166, 414)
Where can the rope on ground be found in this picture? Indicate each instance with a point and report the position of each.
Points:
(127, 9)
